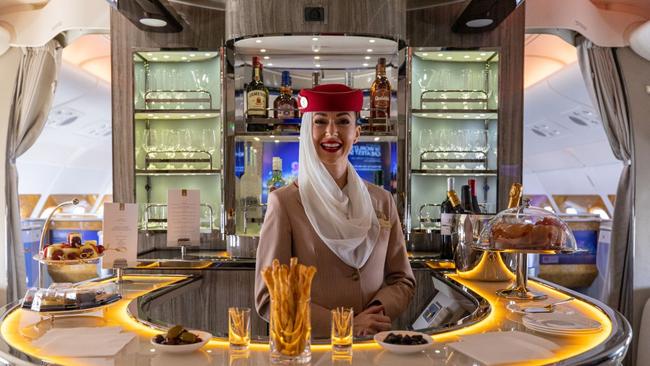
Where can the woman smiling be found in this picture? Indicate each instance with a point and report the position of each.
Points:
(330, 218)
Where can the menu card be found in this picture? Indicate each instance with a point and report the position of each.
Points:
(120, 233)
(183, 217)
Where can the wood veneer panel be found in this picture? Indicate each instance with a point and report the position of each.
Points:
(378, 17)
(431, 27)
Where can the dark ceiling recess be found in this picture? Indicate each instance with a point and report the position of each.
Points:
(484, 15)
(148, 15)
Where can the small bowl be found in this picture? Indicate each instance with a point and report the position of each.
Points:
(184, 348)
(400, 348)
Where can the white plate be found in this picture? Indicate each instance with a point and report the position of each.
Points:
(399, 348)
(557, 323)
(183, 348)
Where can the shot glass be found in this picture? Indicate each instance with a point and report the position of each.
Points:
(239, 328)
(342, 320)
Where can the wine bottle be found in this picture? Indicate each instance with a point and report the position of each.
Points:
(472, 187)
(514, 197)
(449, 207)
(466, 199)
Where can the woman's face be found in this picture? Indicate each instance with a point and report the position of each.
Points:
(333, 134)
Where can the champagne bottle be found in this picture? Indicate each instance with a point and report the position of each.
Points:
(514, 197)
(472, 187)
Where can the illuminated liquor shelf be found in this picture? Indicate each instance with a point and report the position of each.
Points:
(167, 114)
(455, 172)
(462, 114)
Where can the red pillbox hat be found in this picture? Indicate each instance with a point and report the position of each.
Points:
(330, 98)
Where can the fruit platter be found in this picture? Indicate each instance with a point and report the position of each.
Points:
(73, 251)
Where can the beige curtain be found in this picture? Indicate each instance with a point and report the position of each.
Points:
(601, 75)
(32, 99)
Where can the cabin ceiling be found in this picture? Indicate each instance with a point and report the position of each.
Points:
(637, 7)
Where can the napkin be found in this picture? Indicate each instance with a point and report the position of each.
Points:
(83, 341)
(497, 348)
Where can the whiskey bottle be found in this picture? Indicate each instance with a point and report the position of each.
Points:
(276, 181)
(257, 96)
(380, 97)
(285, 105)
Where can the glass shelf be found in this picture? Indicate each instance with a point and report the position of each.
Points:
(169, 172)
(455, 172)
(150, 114)
(462, 114)
(256, 136)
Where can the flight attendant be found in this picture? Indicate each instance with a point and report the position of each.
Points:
(330, 218)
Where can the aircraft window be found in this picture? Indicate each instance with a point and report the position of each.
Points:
(582, 204)
(86, 204)
(27, 204)
(100, 208)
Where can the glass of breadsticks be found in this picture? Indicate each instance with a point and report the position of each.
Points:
(290, 321)
(239, 328)
(342, 320)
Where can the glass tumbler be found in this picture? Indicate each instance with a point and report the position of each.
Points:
(239, 328)
(342, 332)
(290, 333)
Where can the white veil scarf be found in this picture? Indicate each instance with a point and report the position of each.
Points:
(344, 219)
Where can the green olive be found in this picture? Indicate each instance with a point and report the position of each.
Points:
(188, 337)
(174, 332)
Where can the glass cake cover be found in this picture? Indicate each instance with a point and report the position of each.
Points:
(527, 229)
(64, 297)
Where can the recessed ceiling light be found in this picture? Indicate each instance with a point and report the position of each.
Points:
(466, 56)
(317, 65)
(183, 58)
(465, 116)
(479, 23)
(150, 115)
(369, 50)
(448, 57)
(316, 57)
(156, 117)
(269, 64)
(208, 54)
(184, 117)
(266, 57)
(367, 57)
(478, 59)
(165, 56)
(192, 54)
(208, 115)
(371, 40)
(258, 41)
(424, 114)
(365, 64)
(483, 53)
(256, 138)
(149, 54)
(153, 22)
(167, 116)
(155, 59)
(315, 39)
(263, 50)
(316, 49)
(376, 138)
(192, 115)
(448, 116)
(441, 54)
(439, 114)
(425, 54)
(276, 141)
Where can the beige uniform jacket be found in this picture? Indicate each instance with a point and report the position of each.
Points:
(386, 277)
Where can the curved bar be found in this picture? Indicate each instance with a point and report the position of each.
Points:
(20, 328)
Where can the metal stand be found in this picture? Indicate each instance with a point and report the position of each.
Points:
(46, 227)
(119, 266)
(519, 290)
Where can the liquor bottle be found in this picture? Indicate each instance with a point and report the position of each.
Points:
(466, 199)
(380, 95)
(250, 192)
(472, 187)
(276, 181)
(514, 197)
(285, 106)
(257, 95)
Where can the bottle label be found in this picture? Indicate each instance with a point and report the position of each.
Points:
(446, 223)
(382, 99)
(256, 103)
(285, 111)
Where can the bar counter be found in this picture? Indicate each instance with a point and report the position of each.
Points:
(142, 291)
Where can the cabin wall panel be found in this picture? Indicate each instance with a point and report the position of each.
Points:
(431, 27)
(635, 72)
